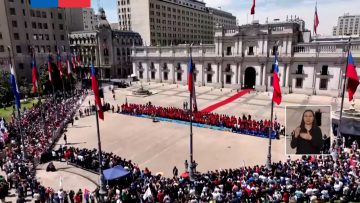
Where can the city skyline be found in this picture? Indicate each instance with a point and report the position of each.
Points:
(328, 10)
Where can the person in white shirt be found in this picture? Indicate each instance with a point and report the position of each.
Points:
(61, 195)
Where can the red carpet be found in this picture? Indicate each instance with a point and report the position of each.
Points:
(226, 101)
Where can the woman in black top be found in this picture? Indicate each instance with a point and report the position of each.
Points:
(307, 138)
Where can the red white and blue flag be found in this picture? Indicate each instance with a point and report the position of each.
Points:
(50, 69)
(316, 20)
(34, 74)
(191, 85)
(353, 79)
(252, 12)
(276, 82)
(95, 88)
(58, 62)
(60, 3)
(191, 75)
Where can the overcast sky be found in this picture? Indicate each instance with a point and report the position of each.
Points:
(328, 10)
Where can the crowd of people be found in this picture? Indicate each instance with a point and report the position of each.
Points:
(24, 142)
(310, 178)
(243, 125)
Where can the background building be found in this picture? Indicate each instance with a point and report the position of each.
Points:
(243, 58)
(90, 19)
(166, 22)
(79, 19)
(222, 18)
(109, 50)
(23, 28)
(347, 24)
(115, 26)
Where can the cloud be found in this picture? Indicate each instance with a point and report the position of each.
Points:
(219, 3)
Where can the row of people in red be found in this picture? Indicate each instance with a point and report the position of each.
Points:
(236, 124)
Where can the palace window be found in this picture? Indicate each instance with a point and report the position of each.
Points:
(323, 84)
(299, 82)
(251, 51)
(324, 70)
(209, 78)
(299, 69)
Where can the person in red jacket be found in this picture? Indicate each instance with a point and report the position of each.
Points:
(77, 198)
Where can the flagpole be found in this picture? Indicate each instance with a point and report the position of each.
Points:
(191, 129)
(338, 133)
(23, 152)
(268, 163)
(102, 191)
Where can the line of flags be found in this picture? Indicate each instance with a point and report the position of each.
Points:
(75, 61)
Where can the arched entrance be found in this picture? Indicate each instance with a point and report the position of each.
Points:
(250, 77)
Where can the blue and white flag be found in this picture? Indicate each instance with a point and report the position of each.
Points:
(14, 87)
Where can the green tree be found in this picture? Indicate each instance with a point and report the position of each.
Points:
(6, 95)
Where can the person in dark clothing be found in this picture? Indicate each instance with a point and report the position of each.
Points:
(175, 171)
(20, 199)
(71, 196)
(318, 117)
(307, 138)
(65, 139)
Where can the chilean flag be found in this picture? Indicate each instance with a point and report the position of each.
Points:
(95, 88)
(50, 69)
(353, 79)
(14, 87)
(190, 76)
(191, 85)
(60, 3)
(276, 82)
(34, 75)
(58, 61)
(316, 19)
(252, 12)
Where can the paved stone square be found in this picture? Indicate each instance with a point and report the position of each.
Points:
(161, 146)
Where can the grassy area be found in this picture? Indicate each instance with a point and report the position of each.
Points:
(6, 113)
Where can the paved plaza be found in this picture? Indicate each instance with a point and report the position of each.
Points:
(163, 145)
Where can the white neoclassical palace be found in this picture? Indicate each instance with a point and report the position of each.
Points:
(243, 57)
